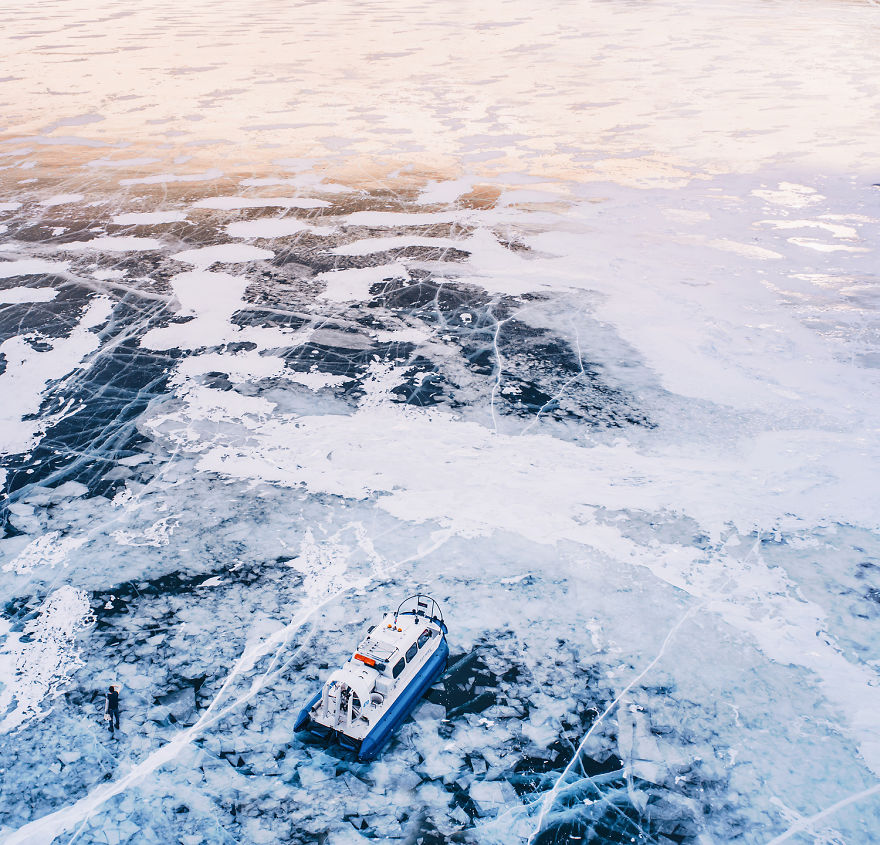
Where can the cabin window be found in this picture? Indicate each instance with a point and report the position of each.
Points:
(398, 668)
(424, 637)
(411, 652)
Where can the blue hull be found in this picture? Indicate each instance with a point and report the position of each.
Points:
(382, 731)
(303, 717)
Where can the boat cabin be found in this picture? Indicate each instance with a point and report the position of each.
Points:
(386, 660)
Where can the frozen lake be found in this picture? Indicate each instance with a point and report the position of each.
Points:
(565, 315)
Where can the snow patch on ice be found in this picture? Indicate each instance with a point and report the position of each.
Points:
(445, 191)
(322, 565)
(836, 229)
(526, 196)
(368, 246)
(316, 380)
(397, 219)
(407, 335)
(239, 367)
(32, 267)
(273, 227)
(353, 285)
(162, 178)
(47, 551)
(61, 199)
(378, 382)
(19, 295)
(29, 370)
(120, 163)
(822, 246)
(156, 535)
(747, 250)
(109, 275)
(212, 297)
(115, 243)
(790, 195)
(39, 662)
(236, 203)
(223, 254)
(149, 218)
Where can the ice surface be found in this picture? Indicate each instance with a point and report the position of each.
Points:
(568, 318)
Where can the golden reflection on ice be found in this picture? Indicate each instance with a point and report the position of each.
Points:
(640, 94)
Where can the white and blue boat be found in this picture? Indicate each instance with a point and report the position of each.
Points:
(363, 703)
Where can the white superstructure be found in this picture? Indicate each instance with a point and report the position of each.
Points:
(356, 696)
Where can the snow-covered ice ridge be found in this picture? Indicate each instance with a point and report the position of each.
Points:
(603, 381)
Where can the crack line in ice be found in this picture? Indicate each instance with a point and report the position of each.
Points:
(498, 373)
(807, 822)
(561, 392)
(547, 801)
(44, 830)
(548, 798)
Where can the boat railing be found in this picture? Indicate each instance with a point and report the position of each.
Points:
(423, 603)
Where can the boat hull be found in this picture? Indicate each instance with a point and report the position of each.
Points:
(382, 731)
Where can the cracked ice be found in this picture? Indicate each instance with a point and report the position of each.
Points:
(583, 346)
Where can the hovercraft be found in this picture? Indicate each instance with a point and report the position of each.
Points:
(362, 704)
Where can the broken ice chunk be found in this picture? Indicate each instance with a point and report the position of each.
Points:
(490, 796)
(181, 704)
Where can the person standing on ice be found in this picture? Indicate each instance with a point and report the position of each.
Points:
(111, 708)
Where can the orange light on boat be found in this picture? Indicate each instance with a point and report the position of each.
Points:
(368, 660)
